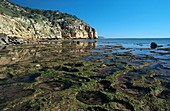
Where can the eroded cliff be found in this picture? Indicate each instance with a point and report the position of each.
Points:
(33, 23)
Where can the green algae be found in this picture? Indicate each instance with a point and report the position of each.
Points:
(67, 81)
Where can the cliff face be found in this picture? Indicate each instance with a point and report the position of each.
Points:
(33, 23)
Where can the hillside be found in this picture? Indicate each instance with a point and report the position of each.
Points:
(23, 22)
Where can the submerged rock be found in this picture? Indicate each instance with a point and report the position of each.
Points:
(92, 97)
(11, 93)
(57, 85)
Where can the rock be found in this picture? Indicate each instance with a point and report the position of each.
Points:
(78, 42)
(5, 39)
(160, 45)
(13, 59)
(5, 76)
(38, 65)
(153, 45)
(60, 25)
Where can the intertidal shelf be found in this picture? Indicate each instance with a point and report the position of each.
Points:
(88, 75)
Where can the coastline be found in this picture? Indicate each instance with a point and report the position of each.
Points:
(86, 75)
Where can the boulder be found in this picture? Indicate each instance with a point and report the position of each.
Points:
(153, 45)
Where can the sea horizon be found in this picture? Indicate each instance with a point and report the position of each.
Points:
(136, 37)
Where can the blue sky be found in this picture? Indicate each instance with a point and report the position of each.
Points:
(115, 18)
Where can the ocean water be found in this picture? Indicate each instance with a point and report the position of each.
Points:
(133, 42)
(136, 47)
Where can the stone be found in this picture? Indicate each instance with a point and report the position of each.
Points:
(153, 45)
(38, 65)
(5, 76)
(13, 59)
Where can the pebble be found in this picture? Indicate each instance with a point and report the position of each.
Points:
(38, 65)
(13, 59)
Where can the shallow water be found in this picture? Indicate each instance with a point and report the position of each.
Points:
(113, 74)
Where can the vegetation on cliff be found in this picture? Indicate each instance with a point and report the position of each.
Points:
(34, 23)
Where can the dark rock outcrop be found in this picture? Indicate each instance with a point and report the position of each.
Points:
(153, 45)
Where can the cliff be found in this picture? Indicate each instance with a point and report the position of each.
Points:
(22, 22)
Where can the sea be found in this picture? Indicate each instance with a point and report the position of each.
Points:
(137, 46)
(135, 42)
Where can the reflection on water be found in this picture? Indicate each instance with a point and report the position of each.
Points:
(29, 55)
(117, 76)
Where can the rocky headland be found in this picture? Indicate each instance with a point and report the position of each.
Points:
(27, 23)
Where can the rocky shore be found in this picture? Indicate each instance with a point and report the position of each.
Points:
(84, 76)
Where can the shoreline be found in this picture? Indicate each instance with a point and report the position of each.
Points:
(84, 76)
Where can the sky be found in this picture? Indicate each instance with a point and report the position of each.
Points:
(115, 18)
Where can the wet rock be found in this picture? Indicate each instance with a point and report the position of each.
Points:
(153, 45)
(105, 86)
(97, 77)
(14, 92)
(118, 47)
(165, 66)
(92, 97)
(121, 105)
(78, 64)
(105, 83)
(153, 52)
(165, 49)
(57, 85)
(29, 78)
(96, 109)
(5, 76)
(134, 90)
(55, 99)
(166, 85)
(25, 106)
(160, 45)
(66, 68)
(77, 78)
(165, 95)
